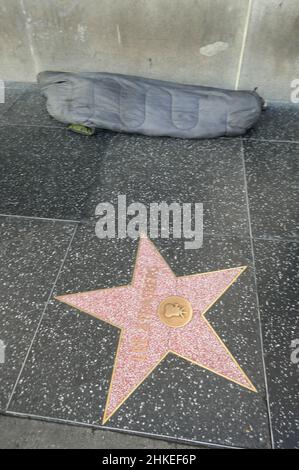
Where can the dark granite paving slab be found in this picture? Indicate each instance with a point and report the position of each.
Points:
(280, 121)
(168, 170)
(10, 97)
(23, 85)
(31, 253)
(277, 275)
(47, 172)
(69, 367)
(29, 110)
(272, 180)
(24, 433)
(155, 168)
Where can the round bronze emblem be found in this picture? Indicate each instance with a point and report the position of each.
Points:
(175, 311)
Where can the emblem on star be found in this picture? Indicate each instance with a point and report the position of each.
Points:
(160, 313)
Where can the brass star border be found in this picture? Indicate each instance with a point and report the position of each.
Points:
(64, 298)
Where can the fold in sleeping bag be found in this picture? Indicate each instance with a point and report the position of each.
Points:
(126, 103)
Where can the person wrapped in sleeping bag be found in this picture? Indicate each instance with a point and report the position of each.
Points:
(132, 104)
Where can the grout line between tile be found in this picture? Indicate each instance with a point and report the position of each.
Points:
(257, 302)
(42, 316)
(49, 219)
(90, 222)
(179, 441)
(277, 240)
(3, 123)
(272, 141)
(62, 127)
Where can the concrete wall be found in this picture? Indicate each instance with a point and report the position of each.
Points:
(229, 43)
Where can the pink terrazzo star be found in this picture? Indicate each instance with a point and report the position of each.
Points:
(145, 340)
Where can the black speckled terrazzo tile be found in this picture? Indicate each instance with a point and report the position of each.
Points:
(277, 275)
(47, 172)
(69, 368)
(272, 180)
(10, 97)
(31, 253)
(30, 110)
(280, 121)
(159, 169)
(168, 170)
(24, 433)
(21, 85)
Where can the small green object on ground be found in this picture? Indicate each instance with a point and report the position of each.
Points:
(81, 129)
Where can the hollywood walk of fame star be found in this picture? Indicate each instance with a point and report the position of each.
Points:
(147, 334)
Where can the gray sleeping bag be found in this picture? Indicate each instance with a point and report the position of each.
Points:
(153, 107)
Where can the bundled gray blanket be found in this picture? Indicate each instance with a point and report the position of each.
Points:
(153, 107)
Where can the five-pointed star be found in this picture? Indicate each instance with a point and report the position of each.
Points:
(145, 340)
